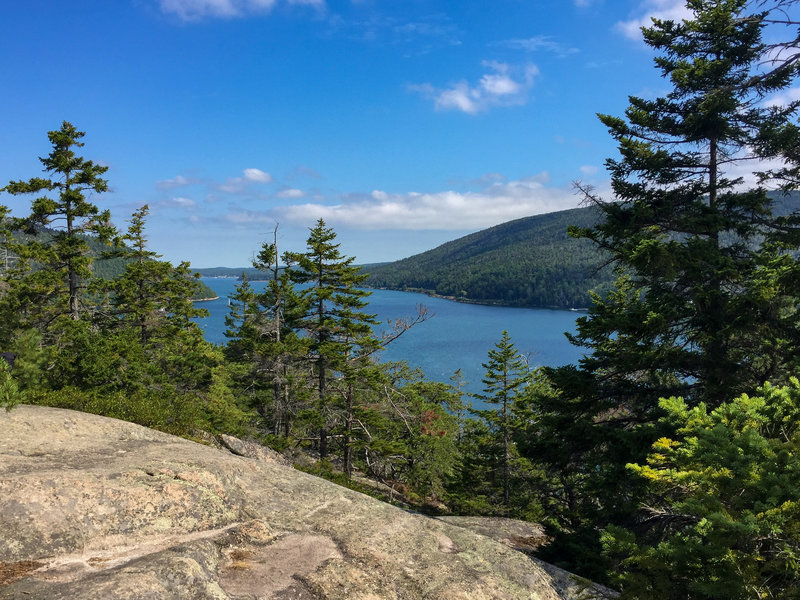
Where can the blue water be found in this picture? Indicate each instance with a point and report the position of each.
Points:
(457, 336)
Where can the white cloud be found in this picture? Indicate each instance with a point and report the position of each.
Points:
(540, 42)
(504, 85)
(446, 210)
(460, 97)
(667, 10)
(257, 175)
(291, 193)
(745, 166)
(589, 170)
(194, 10)
(784, 98)
(238, 185)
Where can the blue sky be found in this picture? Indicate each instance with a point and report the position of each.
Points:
(403, 123)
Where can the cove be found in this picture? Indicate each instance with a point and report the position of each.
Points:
(457, 336)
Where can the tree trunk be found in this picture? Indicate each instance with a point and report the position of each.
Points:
(348, 428)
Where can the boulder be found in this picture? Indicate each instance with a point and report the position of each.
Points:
(250, 449)
(92, 507)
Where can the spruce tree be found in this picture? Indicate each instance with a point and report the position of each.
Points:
(61, 259)
(264, 342)
(334, 321)
(151, 293)
(504, 381)
(705, 306)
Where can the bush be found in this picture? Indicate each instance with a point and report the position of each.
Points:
(10, 395)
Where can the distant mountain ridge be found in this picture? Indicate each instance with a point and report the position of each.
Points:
(529, 262)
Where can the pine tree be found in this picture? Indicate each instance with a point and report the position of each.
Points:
(61, 259)
(721, 517)
(705, 304)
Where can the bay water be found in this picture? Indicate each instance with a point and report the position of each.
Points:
(456, 336)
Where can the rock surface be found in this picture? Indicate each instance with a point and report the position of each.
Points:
(527, 537)
(92, 507)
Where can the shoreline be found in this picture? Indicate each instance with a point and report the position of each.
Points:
(462, 300)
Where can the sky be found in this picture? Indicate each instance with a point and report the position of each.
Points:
(402, 123)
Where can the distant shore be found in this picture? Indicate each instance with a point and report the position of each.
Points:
(465, 300)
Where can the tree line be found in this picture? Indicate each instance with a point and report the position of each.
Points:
(665, 462)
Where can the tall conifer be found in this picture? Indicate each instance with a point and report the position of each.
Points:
(334, 319)
(504, 381)
(62, 258)
(705, 306)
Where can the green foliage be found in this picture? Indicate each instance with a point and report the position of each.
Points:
(494, 475)
(64, 260)
(504, 382)
(428, 435)
(10, 394)
(178, 415)
(530, 262)
(705, 304)
(722, 516)
(265, 347)
(340, 333)
(150, 294)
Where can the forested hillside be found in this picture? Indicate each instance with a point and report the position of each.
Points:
(531, 262)
(527, 262)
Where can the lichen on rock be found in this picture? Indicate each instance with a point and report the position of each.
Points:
(92, 507)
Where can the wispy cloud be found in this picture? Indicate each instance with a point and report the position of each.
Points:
(180, 202)
(238, 185)
(503, 85)
(195, 10)
(538, 43)
(414, 37)
(175, 182)
(667, 10)
(257, 175)
(445, 210)
(303, 172)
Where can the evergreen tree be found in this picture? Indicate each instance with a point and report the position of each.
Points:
(722, 513)
(264, 342)
(504, 382)
(151, 294)
(6, 256)
(334, 321)
(705, 304)
(61, 259)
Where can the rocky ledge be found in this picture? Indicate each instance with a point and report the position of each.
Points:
(92, 507)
